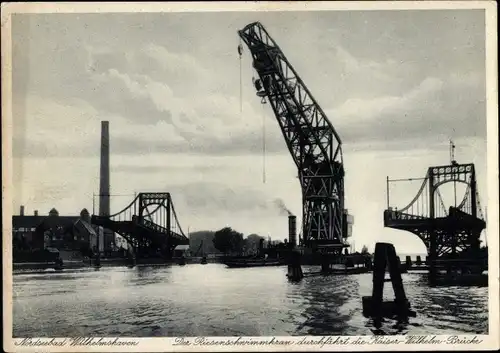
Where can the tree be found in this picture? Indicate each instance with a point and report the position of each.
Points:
(205, 237)
(237, 242)
(252, 243)
(364, 249)
(228, 240)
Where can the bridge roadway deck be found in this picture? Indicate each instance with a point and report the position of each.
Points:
(129, 228)
(456, 220)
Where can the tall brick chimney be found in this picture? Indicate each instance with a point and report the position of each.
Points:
(104, 185)
(21, 211)
(104, 207)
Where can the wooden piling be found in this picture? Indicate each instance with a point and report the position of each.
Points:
(97, 262)
(408, 262)
(294, 266)
(325, 263)
(397, 281)
(374, 306)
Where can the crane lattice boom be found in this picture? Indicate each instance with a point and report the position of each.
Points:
(314, 144)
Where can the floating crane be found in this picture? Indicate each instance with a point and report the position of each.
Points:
(314, 144)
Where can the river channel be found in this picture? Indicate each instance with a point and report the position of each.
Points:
(211, 300)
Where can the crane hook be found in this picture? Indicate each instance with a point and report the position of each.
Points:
(240, 51)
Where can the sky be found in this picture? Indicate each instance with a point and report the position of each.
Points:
(396, 85)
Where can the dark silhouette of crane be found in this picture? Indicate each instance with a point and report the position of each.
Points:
(314, 144)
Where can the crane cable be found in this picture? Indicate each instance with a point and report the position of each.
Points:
(263, 145)
(240, 52)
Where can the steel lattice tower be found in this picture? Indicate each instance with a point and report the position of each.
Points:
(444, 231)
(311, 139)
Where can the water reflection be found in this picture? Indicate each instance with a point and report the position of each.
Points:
(211, 300)
(325, 311)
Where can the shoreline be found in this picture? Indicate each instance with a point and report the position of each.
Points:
(21, 267)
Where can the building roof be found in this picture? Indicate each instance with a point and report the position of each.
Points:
(86, 226)
(27, 221)
(182, 247)
(37, 221)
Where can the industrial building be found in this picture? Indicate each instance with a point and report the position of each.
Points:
(71, 233)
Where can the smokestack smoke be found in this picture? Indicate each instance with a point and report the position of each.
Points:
(282, 207)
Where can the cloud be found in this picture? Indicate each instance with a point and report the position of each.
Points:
(352, 66)
(141, 91)
(48, 129)
(51, 129)
(217, 198)
(160, 97)
(152, 169)
(435, 110)
(420, 116)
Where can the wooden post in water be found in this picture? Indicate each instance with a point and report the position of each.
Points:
(379, 266)
(325, 263)
(400, 300)
(294, 268)
(98, 254)
(374, 307)
(408, 262)
(131, 258)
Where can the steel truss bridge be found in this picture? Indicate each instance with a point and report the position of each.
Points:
(149, 224)
(314, 144)
(447, 233)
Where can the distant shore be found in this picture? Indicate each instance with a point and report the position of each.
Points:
(110, 262)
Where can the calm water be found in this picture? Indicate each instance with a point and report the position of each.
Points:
(211, 300)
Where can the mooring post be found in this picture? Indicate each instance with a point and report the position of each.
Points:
(98, 259)
(294, 268)
(131, 258)
(397, 282)
(408, 262)
(98, 245)
(379, 266)
(374, 307)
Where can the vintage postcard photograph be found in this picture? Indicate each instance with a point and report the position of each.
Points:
(254, 176)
